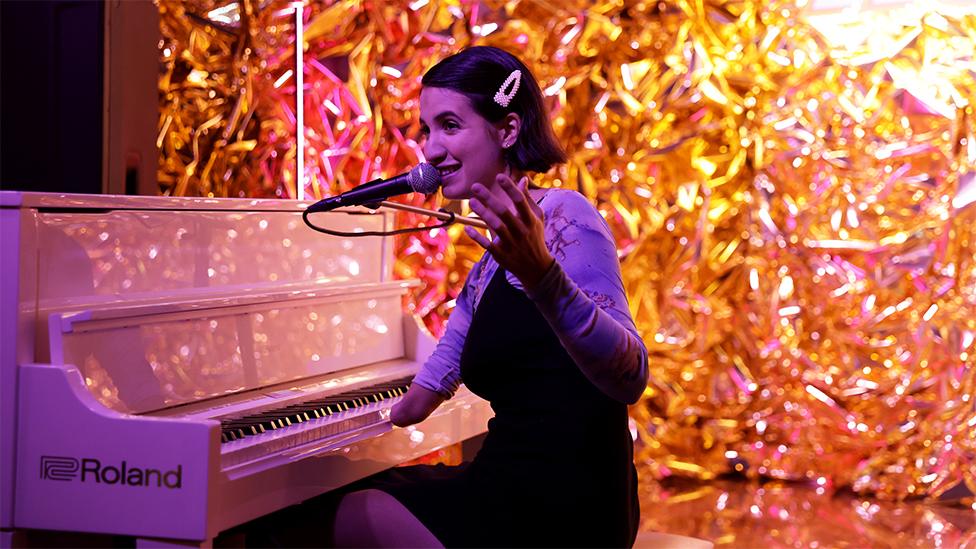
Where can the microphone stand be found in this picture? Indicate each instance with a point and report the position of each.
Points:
(472, 221)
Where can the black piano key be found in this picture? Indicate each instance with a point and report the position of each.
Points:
(242, 429)
(235, 423)
(270, 423)
(231, 434)
(325, 402)
(302, 407)
(356, 402)
(311, 410)
(298, 416)
(290, 416)
(308, 413)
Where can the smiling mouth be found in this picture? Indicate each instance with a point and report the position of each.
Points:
(448, 171)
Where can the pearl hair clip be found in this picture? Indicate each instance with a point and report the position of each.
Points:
(513, 80)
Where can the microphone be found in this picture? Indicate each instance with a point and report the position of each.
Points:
(423, 178)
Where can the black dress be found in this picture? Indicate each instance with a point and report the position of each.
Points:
(556, 467)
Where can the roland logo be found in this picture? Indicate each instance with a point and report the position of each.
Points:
(92, 470)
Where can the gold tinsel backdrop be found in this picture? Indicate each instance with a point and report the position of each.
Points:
(794, 218)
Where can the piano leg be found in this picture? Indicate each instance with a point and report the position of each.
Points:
(12, 538)
(159, 543)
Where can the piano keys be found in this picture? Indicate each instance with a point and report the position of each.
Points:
(174, 367)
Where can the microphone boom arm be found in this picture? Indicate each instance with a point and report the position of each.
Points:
(472, 221)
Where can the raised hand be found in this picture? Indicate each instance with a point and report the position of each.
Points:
(516, 222)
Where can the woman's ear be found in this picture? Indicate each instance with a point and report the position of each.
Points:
(508, 129)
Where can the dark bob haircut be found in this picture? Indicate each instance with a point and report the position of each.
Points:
(478, 72)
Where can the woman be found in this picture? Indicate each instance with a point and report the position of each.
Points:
(541, 330)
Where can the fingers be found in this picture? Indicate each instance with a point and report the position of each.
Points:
(498, 202)
(477, 237)
(514, 192)
(507, 208)
(526, 205)
(490, 217)
(535, 207)
(500, 205)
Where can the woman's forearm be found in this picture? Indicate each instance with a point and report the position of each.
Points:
(613, 358)
(415, 406)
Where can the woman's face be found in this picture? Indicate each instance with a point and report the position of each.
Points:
(464, 147)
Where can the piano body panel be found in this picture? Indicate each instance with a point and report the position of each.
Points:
(18, 291)
(418, 342)
(86, 468)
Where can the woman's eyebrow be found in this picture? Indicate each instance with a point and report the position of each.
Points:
(446, 114)
(441, 116)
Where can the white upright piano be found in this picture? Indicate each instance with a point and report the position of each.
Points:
(173, 367)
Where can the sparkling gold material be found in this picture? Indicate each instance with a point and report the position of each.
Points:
(795, 218)
(784, 515)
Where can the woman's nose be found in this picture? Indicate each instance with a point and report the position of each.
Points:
(434, 150)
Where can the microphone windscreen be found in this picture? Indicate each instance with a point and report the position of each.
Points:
(424, 178)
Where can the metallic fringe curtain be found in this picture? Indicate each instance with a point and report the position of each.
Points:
(794, 217)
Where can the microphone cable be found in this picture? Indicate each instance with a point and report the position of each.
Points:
(314, 227)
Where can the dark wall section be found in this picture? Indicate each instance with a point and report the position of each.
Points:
(51, 57)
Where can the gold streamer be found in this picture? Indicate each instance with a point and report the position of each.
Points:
(795, 218)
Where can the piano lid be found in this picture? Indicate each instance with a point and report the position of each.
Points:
(94, 255)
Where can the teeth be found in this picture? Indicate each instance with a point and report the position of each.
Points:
(448, 171)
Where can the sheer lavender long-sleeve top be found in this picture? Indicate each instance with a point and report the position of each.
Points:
(581, 296)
